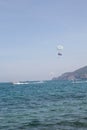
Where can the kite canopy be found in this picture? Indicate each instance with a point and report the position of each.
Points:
(60, 47)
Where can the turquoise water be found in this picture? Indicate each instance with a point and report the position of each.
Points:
(49, 105)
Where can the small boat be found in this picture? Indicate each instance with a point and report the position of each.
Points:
(19, 83)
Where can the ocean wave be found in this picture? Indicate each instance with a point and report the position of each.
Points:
(46, 106)
(61, 125)
(27, 82)
(79, 82)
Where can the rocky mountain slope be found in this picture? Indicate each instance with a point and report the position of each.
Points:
(79, 74)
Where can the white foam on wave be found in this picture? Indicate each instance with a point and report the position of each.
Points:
(28, 82)
(36, 82)
(78, 82)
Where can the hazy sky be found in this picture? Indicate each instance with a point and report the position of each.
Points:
(30, 31)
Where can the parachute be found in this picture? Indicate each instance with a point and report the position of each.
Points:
(60, 49)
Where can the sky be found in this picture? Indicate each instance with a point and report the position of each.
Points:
(30, 31)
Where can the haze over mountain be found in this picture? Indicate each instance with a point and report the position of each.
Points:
(79, 74)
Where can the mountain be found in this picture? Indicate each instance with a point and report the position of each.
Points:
(79, 74)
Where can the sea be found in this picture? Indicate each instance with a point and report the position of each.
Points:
(43, 105)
